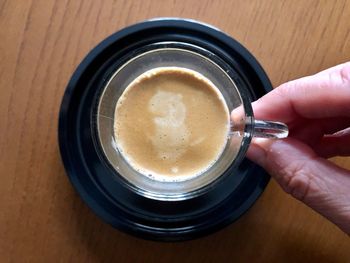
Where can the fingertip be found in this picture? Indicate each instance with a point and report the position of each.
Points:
(276, 155)
(287, 146)
(257, 154)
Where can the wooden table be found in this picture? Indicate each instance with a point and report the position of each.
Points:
(42, 219)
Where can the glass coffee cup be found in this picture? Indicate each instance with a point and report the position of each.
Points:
(243, 125)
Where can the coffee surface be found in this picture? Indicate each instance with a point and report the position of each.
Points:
(171, 123)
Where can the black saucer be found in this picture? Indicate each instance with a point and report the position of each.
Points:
(101, 187)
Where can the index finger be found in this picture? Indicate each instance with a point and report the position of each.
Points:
(323, 95)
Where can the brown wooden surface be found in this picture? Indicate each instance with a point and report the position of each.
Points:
(42, 219)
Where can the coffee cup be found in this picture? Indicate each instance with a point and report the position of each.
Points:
(158, 64)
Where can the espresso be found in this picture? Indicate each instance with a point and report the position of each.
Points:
(171, 123)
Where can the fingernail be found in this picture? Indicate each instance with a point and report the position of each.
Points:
(256, 154)
(345, 72)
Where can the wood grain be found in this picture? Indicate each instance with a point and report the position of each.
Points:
(42, 219)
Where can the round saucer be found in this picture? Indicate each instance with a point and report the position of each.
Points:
(98, 183)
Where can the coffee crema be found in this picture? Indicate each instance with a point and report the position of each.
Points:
(171, 124)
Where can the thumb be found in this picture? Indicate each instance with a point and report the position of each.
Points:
(313, 180)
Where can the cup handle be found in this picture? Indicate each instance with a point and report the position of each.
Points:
(269, 129)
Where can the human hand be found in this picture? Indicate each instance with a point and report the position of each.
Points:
(317, 111)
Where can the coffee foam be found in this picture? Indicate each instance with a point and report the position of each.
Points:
(172, 136)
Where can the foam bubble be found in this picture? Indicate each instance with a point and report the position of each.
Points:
(175, 169)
